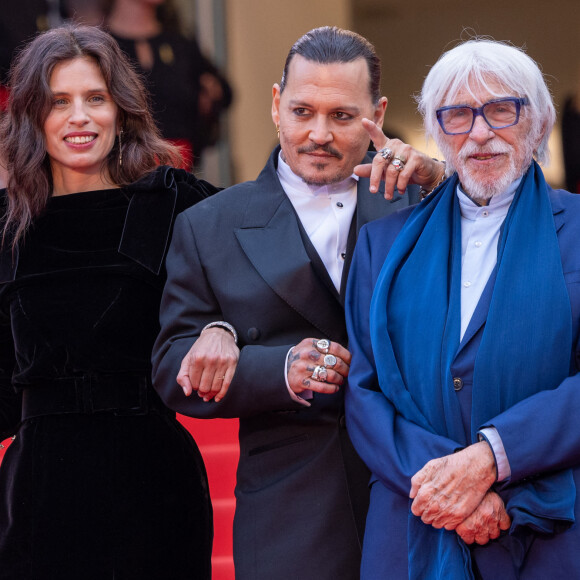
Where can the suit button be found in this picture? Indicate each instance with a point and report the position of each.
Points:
(457, 384)
(342, 421)
(253, 333)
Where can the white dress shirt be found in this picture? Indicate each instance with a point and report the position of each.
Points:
(480, 226)
(325, 212)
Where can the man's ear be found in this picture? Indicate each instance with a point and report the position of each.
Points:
(276, 104)
(380, 109)
(542, 133)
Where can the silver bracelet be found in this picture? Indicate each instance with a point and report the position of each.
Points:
(225, 325)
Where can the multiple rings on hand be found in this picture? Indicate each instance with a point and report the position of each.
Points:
(398, 163)
(322, 345)
(329, 360)
(386, 153)
(320, 374)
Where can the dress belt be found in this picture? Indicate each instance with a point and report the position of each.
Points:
(125, 394)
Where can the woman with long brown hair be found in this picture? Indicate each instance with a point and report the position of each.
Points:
(100, 481)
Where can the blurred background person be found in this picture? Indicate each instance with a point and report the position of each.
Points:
(189, 92)
(100, 481)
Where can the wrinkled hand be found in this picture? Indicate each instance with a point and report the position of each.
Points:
(209, 366)
(486, 522)
(305, 357)
(419, 168)
(447, 490)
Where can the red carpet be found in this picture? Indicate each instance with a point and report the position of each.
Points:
(218, 442)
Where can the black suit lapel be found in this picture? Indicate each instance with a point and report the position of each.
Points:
(271, 239)
(350, 244)
(370, 206)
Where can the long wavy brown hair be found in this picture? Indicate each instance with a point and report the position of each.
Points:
(22, 141)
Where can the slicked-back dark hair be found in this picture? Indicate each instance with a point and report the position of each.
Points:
(22, 141)
(330, 44)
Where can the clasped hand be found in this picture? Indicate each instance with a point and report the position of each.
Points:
(453, 492)
(209, 366)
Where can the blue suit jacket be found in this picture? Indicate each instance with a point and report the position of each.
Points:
(540, 434)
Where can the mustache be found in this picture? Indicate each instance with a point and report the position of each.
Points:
(491, 148)
(324, 148)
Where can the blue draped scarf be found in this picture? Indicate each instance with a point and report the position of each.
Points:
(525, 348)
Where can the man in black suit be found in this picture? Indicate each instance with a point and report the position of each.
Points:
(265, 262)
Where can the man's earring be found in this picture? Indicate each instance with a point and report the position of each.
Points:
(121, 147)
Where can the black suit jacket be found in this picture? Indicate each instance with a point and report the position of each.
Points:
(242, 256)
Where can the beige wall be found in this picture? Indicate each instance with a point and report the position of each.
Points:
(409, 37)
(259, 35)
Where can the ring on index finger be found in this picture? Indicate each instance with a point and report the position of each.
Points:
(322, 345)
(398, 164)
(386, 153)
(329, 360)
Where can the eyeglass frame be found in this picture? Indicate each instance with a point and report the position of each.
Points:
(478, 111)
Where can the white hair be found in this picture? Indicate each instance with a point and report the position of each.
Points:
(497, 67)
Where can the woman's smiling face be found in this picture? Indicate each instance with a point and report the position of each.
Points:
(81, 127)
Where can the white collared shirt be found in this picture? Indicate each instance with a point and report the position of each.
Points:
(325, 212)
(480, 227)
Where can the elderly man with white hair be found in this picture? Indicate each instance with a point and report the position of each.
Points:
(463, 316)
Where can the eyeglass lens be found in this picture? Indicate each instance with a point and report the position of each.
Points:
(498, 115)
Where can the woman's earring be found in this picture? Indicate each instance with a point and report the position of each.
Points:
(121, 147)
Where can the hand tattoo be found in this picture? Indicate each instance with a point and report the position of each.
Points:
(314, 355)
(292, 358)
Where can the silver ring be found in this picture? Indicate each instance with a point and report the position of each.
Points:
(398, 164)
(386, 153)
(329, 360)
(322, 345)
(320, 374)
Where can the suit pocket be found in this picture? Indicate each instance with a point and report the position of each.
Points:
(278, 444)
(271, 464)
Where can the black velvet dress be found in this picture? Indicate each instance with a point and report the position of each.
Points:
(101, 481)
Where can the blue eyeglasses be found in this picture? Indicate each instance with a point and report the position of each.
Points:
(498, 114)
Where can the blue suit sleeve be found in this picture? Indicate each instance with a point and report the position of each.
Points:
(393, 448)
(540, 434)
